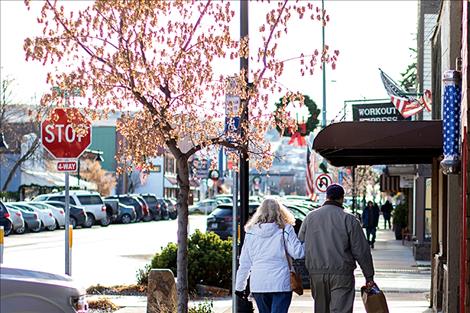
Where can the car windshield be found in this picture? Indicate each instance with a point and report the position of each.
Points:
(150, 200)
(90, 200)
(226, 211)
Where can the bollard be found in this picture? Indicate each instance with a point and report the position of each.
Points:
(2, 236)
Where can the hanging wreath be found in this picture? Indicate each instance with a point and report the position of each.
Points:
(302, 127)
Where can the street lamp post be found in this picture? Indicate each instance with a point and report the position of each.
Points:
(244, 165)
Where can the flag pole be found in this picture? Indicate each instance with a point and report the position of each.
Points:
(323, 64)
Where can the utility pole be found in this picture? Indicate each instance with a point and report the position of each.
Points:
(323, 64)
(244, 165)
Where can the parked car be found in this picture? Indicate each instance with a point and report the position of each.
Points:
(147, 215)
(204, 206)
(91, 201)
(154, 207)
(171, 205)
(126, 214)
(31, 219)
(220, 220)
(134, 202)
(78, 215)
(17, 221)
(24, 290)
(58, 213)
(46, 217)
(5, 220)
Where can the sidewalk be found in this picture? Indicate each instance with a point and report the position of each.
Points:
(405, 283)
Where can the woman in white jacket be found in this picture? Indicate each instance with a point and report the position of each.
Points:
(263, 258)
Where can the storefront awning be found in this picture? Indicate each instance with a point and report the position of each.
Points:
(375, 143)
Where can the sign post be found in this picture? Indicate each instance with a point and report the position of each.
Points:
(59, 136)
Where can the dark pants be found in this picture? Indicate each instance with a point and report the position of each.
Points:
(371, 231)
(273, 302)
(332, 293)
(387, 219)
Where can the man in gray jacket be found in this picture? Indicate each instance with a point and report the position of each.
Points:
(334, 242)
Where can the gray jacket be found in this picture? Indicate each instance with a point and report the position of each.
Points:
(334, 241)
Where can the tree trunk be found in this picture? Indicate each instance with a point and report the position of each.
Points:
(183, 223)
(26, 156)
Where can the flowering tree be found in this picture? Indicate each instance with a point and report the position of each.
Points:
(160, 58)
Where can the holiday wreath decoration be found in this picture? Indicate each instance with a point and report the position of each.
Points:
(303, 125)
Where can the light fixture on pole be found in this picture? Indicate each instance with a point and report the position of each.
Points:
(99, 158)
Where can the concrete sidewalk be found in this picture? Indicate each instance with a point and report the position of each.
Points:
(405, 283)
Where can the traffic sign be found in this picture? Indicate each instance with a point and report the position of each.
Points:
(322, 182)
(59, 135)
(67, 166)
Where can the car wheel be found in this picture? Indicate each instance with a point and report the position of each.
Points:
(148, 217)
(166, 216)
(173, 215)
(52, 227)
(157, 217)
(20, 230)
(37, 229)
(106, 221)
(90, 220)
(73, 222)
(126, 219)
(8, 229)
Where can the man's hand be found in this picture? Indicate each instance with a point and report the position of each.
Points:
(241, 294)
(370, 284)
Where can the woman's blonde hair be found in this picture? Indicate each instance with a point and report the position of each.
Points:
(271, 211)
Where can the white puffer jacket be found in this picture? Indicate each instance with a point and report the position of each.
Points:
(263, 258)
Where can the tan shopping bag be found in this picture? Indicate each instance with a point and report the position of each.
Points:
(374, 300)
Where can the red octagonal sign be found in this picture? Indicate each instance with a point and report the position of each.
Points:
(59, 133)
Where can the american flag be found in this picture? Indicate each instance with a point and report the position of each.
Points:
(405, 103)
(310, 170)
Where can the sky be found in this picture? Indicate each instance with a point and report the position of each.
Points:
(369, 35)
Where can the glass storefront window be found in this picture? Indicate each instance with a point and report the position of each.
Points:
(427, 212)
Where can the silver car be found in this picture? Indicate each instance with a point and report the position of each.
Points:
(16, 219)
(46, 217)
(24, 290)
(58, 213)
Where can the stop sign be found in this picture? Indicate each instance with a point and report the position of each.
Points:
(59, 136)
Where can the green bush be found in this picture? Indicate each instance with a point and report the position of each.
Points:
(209, 261)
(400, 214)
(205, 307)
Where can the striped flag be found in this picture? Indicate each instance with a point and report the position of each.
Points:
(405, 103)
(310, 170)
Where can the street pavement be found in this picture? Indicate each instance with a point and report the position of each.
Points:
(105, 255)
(405, 283)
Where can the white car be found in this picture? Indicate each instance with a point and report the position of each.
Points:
(58, 213)
(24, 290)
(91, 201)
(46, 217)
(204, 206)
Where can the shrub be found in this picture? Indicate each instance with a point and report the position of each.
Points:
(210, 261)
(205, 307)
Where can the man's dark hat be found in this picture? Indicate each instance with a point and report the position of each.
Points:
(334, 191)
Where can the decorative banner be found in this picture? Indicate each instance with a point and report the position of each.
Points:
(384, 111)
(451, 121)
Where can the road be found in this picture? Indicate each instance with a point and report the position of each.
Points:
(106, 255)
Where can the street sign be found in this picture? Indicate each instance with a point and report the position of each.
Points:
(67, 166)
(322, 182)
(59, 136)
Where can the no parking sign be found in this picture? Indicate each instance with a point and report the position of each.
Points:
(322, 182)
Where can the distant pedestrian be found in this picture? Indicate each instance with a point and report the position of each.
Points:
(334, 242)
(269, 235)
(387, 209)
(370, 221)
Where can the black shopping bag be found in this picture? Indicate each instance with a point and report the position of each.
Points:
(374, 300)
(244, 305)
